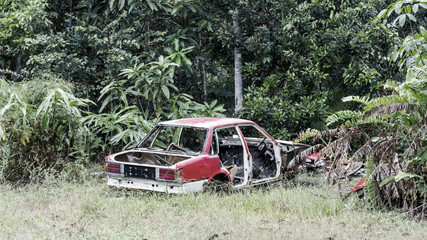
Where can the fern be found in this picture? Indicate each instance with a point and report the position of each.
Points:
(370, 187)
(343, 115)
(393, 85)
(372, 120)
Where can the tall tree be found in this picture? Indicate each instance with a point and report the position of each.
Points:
(238, 81)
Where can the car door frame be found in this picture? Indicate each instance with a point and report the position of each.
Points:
(247, 161)
(277, 155)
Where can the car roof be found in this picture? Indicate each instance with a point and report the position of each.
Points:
(206, 122)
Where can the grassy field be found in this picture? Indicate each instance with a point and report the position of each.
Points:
(91, 210)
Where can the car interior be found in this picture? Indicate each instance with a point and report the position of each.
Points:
(230, 151)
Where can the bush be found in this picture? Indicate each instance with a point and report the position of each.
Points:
(281, 116)
(39, 128)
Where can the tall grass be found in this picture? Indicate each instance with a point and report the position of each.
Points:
(63, 210)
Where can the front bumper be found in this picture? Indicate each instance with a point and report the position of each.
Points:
(157, 186)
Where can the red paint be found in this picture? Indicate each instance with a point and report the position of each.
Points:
(314, 157)
(208, 122)
(359, 185)
(189, 121)
(201, 167)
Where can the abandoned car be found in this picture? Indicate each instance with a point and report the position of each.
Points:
(191, 155)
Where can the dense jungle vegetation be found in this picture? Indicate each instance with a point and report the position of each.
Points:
(80, 79)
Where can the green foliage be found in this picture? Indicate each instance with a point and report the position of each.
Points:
(120, 125)
(410, 50)
(298, 59)
(281, 117)
(118, 129)
(343, 115)
(19, 21)
(58, 100)
(315, 50)
(389, 132)
(370, 185)
(394, 140)
(40, 128)
(183, 106)
(308, 47)
(400, 176)
(177, 54)
(154, 80)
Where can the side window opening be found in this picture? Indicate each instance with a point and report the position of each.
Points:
(214, 144)
(193, 139)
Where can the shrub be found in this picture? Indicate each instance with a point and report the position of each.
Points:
(39, 128)
(280, 115)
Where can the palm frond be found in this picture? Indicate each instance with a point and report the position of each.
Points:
(416, 143)
(379, 119)
(2, 134)
(339, 149)
(363, 100)
(385, 100)
(362, 151)
(309, 133)
(370, 187)
(393, 85)
(390, 109)
(343, 115)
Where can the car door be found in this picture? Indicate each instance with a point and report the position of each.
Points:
(233, 153)
(264, 153)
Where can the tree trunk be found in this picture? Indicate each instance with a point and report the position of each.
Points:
(238, 83)
(15, 67)
(71, 14)
(2, 61)
(203, 76)
(202, 69)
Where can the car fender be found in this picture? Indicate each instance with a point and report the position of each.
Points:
(198, 168)
(221, 171)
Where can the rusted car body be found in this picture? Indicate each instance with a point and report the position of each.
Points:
(187, 155)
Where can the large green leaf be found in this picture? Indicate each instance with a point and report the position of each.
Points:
(400, 176)
(2, 134)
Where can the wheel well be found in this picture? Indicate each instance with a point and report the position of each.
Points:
(221, 177)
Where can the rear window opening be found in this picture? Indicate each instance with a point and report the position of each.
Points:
(176, 139)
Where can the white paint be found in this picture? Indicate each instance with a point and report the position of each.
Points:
(157, 186)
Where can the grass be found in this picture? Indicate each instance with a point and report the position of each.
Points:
(91, 210)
